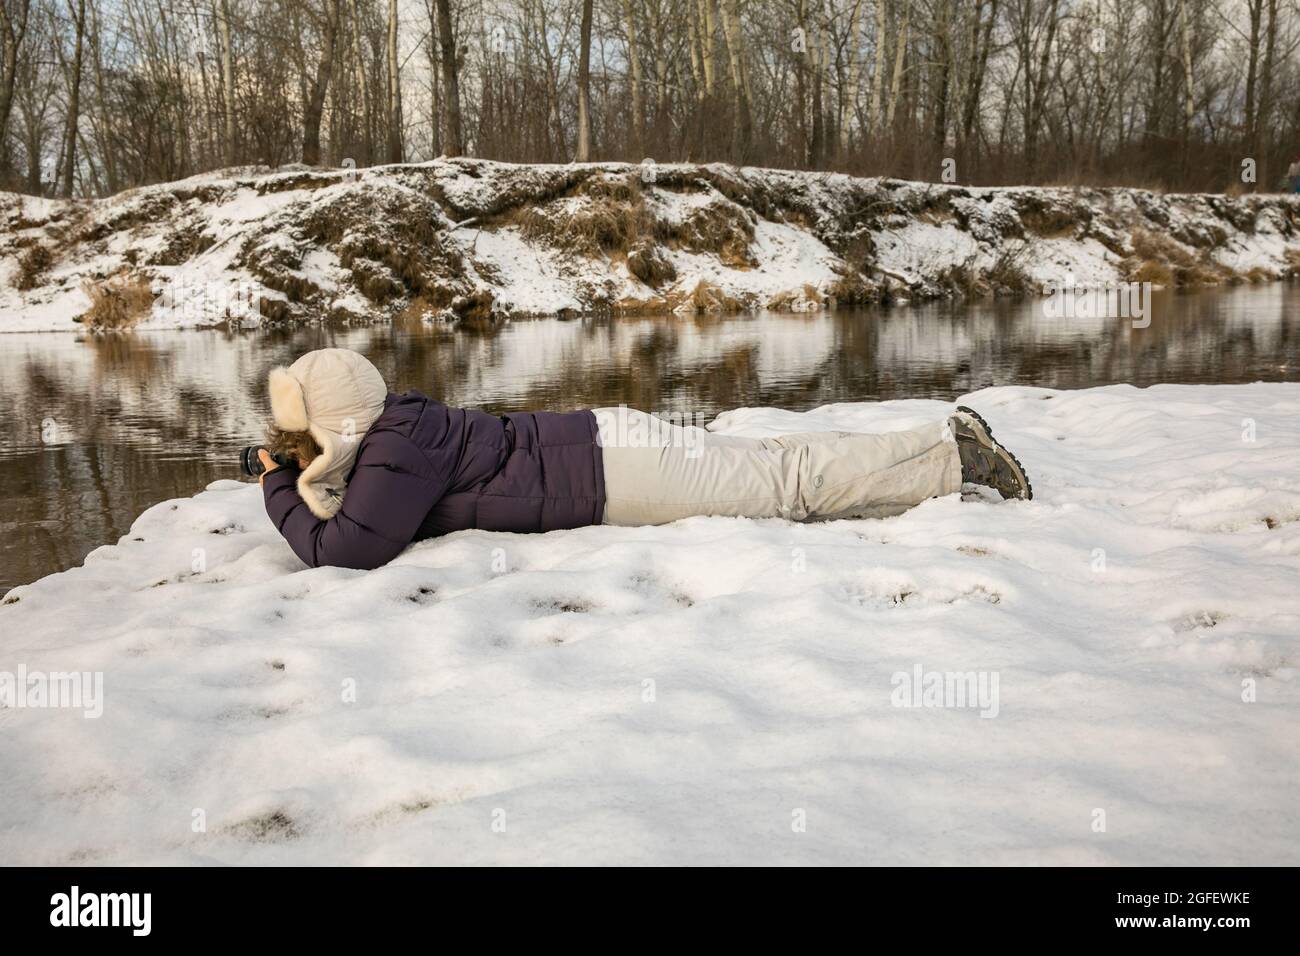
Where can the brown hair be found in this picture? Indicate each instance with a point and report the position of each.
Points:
(299, 445)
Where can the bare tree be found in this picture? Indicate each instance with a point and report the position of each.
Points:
(98, 95)
(13, 30)
(634, 76)
(453, 143)
(316, 83)
(739, 82)
(364, 99)
(584, 85)
(73, 116)
(394, 89)
(900, 57)
(227, 82)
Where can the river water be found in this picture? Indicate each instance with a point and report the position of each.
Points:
(101, 427)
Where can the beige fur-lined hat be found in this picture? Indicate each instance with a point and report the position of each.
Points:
(334, 395)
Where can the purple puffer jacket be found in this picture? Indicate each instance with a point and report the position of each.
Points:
(424, 469)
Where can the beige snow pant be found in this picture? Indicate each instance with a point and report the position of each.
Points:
(656, 471)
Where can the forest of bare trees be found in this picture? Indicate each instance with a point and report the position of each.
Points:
(100, 95)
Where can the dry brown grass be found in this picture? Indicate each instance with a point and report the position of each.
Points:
(706, 298)
(1153, 245)
(118, 302)
(786, 301)
(477, 306)
(273, 309)
(1258, 274)
(1007, 275)
(1162, 261)
(720, 228)
(393, 245)
(305, 180)
(1292, 263)
(417, 310)
(626, 188)
(297, 288)
(853, 288)
(598, 226)
(646, 261)
(182, 244)
(609, 217)
(32, 265)
(655, 305)
(938, 216)
(965, 280)
(1045, 219)
(1157, 273)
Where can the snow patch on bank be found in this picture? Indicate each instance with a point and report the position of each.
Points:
(468, 238)
(527, 277)
(681, 694)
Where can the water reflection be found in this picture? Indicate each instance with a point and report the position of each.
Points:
(100, 428)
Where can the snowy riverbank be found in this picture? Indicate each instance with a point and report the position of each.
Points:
(470, 238)
(695, 692)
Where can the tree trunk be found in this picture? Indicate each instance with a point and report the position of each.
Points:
(1189, 88)
(661, 41)
(849, 98)
(394, 89)
(940, 134)
(13, 28)
(1036, 91)
(900, 54)
(315, 105)
(1259, 148)
(101, 97)
(228, 83)
(453, 144)
(878, 70)
(435, 87)
(74, 99)
(803, 137)
(818, 57)
(980, 46)
(741, 126)
(584, 85)
(1256, 8)
(363, 89)
(708, 50)
(634, 65)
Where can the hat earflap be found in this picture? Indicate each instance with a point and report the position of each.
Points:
(288, 404)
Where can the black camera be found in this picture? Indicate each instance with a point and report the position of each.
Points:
(251, 465)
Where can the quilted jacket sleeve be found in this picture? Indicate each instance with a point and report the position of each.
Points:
(392, 489)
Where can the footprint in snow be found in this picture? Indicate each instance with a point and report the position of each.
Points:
(423, 596)
(274, 826)
(563, 605)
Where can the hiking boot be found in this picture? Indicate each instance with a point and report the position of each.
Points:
(983, 460)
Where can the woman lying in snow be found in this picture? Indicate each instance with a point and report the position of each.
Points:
(379, 470)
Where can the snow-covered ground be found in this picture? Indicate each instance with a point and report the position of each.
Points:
(470, 238)
(715, 690)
